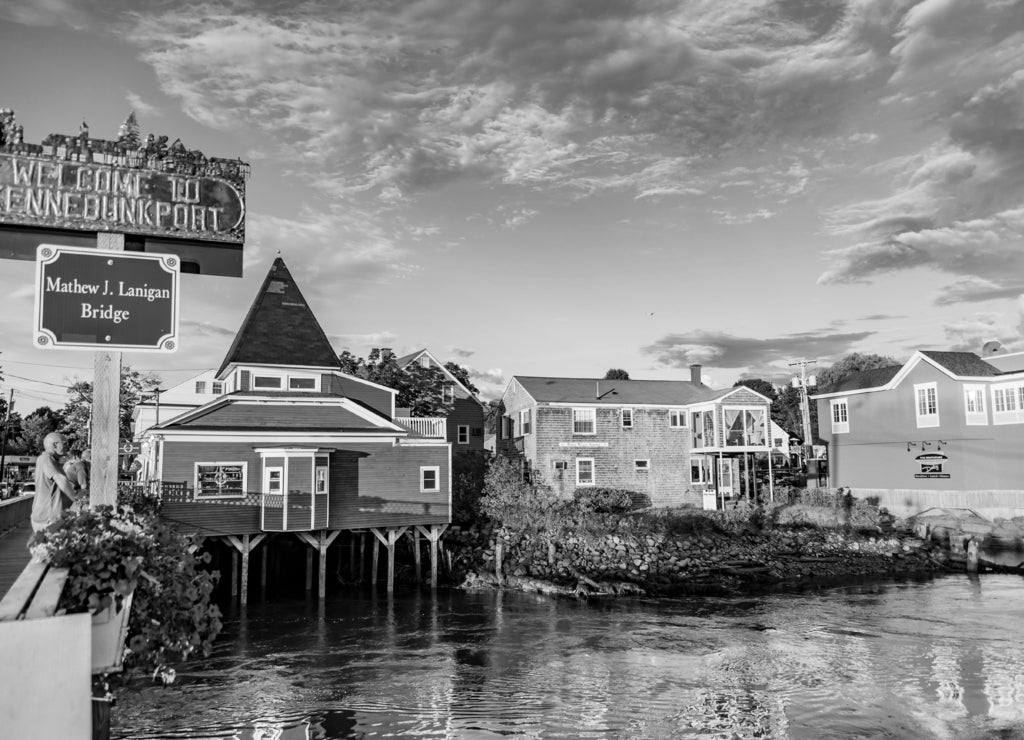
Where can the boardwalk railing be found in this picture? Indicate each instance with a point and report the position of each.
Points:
(14, 511)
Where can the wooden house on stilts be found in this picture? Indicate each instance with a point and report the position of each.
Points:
(294, 445)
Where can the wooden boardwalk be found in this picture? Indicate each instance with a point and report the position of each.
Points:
(14, 554)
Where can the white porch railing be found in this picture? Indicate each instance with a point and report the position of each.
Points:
(428, 426)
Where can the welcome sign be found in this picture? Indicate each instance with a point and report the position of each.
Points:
(35, 191)
(100, 300)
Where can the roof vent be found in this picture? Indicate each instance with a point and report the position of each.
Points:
(993, 347)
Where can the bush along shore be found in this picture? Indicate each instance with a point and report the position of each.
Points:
(594, 545)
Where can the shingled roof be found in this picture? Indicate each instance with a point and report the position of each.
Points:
(614, 392)
(862, 380)
(962, 363)
(280, 328)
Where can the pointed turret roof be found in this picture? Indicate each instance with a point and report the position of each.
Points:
(280, 328)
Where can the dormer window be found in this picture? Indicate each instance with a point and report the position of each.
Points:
(266, 382)
(200, 387)
(302, 384)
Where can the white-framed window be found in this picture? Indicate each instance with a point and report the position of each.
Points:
(641, 466)
(299, 383)
(974, 405)
(561, 465)
(424, 361)
(584, 421)
(221, 479)
(201, 387)
(840, 415)
(462, 434)
(926, 404)
(698, 470)
(320, 475)
(448, 393)
(627, 418)
(1008, 403)
(677, 418)
(217, 387)
(584, 471)
(273, 479)
(266, 382)
(430, 478)
(525, 425)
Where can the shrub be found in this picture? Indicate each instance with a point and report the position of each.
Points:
(604, 500)
(110, 552)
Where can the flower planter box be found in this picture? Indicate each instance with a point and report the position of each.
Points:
(109, 629)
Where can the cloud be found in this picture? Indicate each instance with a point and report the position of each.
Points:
(764, 357)
(140, 106)
(361, 344)
(954, 206)
(971, 332)
(401, 97)
(206, 329)
(459, 353)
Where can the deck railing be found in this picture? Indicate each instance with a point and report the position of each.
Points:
(428, 426)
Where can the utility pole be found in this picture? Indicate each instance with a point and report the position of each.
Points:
(3, 439)
(805, 407)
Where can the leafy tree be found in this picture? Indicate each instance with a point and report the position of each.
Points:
(786, 411)
(616, 373)
(35, 427)
(852, 363)
(77, 413)
(515, 504)
(461, 374)
(469, 471)
(759, 385)
(420, 389)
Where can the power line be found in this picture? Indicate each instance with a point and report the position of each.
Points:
(33, 380)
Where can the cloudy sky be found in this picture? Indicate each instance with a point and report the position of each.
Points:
(556, 187)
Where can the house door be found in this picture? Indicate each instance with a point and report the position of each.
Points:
(726, 477)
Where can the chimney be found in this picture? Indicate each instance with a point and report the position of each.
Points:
(695, 374)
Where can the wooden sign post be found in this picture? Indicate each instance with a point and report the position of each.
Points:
(106, 409)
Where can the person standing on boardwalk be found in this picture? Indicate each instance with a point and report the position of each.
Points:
(52, 486)
(76, 468)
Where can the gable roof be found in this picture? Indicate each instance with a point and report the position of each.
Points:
(958, 365)
(405, 360)
(280, 328)
(962, 363)
(284, 411)
(862, 380)
(614, 392)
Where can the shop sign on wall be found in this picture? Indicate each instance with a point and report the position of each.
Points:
(931, 465)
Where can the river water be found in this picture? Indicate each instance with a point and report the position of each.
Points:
(932, 658)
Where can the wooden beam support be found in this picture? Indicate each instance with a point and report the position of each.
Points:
(434, 535)
(416, 553)
(245, 570)
(309, 569)
(388, 540)
(234, 574)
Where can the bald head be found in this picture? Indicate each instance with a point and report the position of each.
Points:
(54, 443)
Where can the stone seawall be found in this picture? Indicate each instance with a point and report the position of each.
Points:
(659, 564)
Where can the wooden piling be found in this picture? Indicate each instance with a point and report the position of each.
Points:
(972, 556)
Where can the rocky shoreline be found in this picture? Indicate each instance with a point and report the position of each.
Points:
(706, 563)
